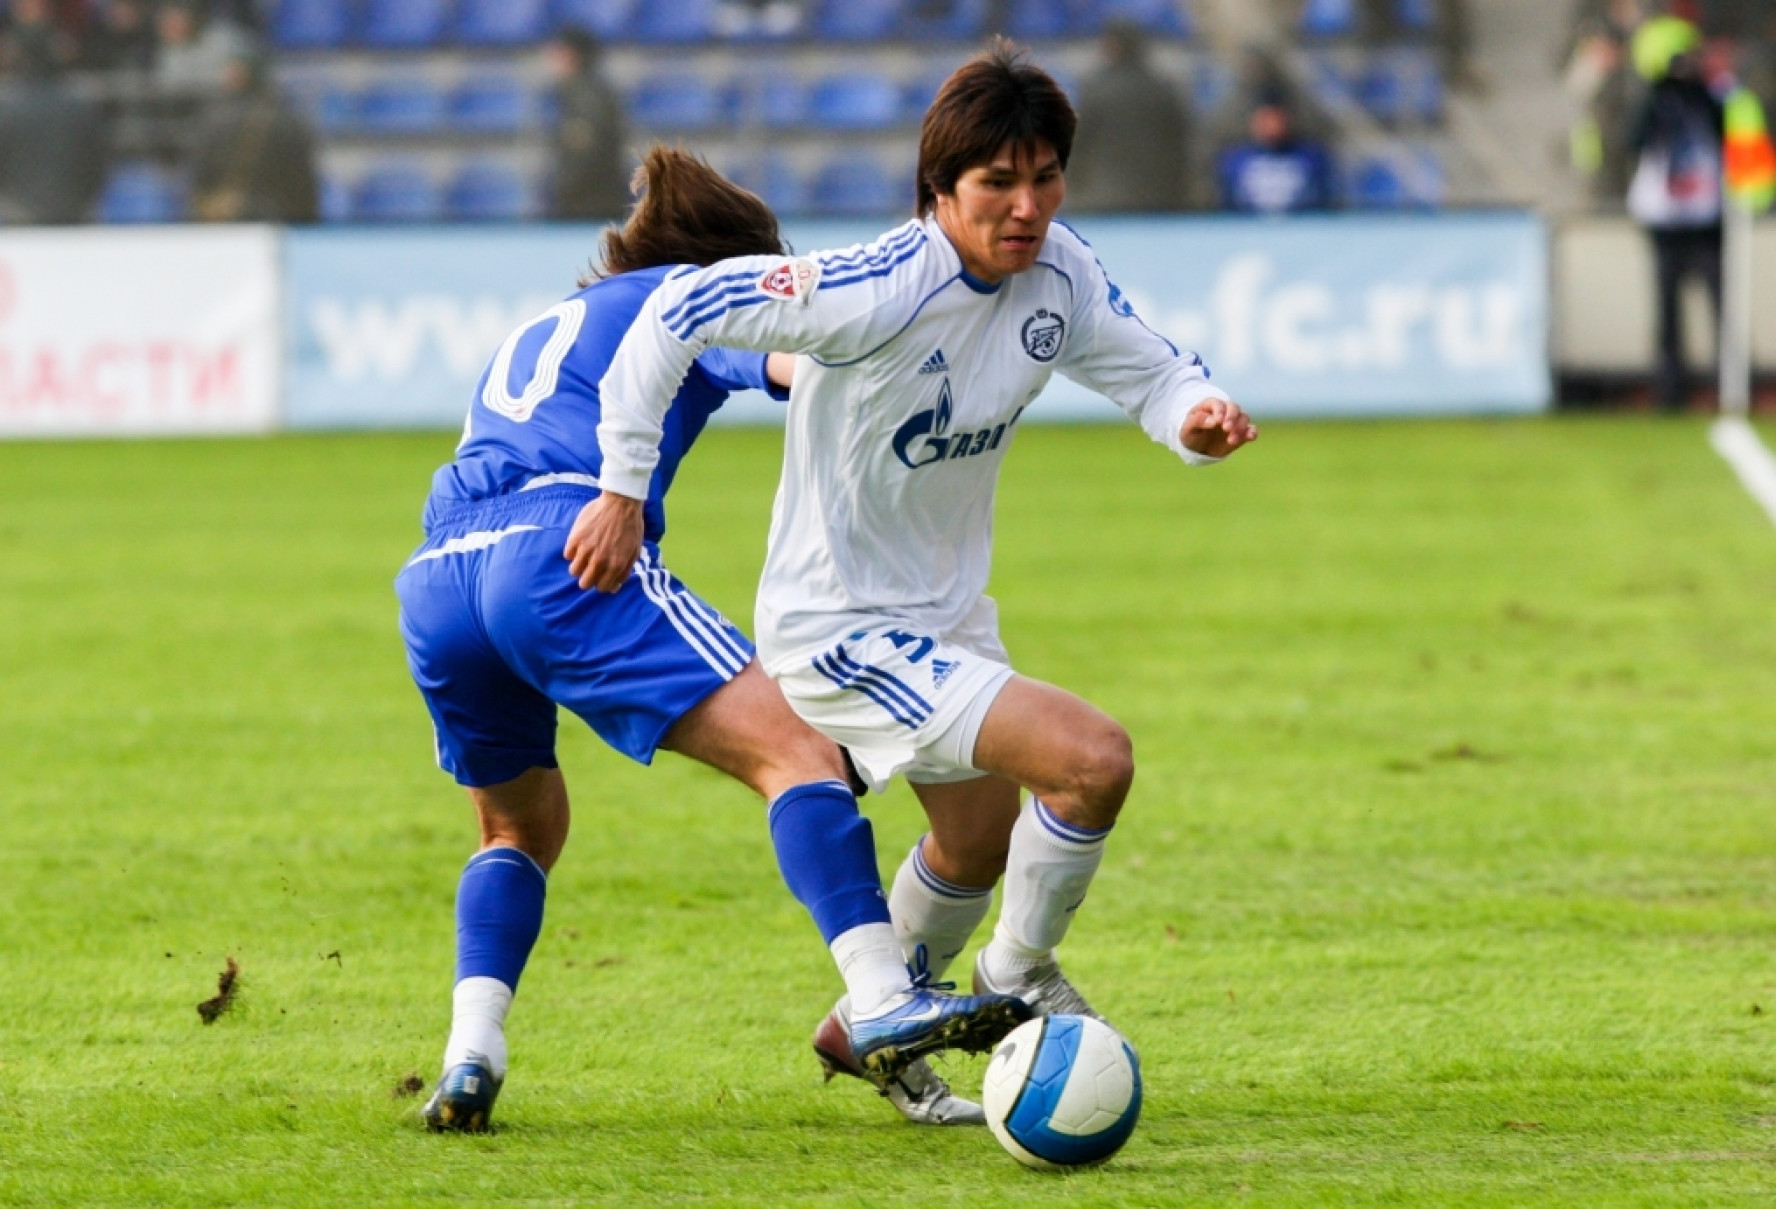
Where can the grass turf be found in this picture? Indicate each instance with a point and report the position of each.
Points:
(1449, 876)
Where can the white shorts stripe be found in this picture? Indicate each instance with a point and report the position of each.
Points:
(707, 638)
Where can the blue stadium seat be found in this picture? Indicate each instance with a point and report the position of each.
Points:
(680, 101)
(1328, 84)
(1420, 16)
(1403, 86)
(857, 185)
(608, 19)
(775, 179)
(1328, 19)
(397, 191)
(1044, 18)
(779, 101)
(952, 20)
(502, 22)
(855, 20)
(402, 23)
(918, 93)
(673, 21)
(489, 191)
(404, 105)
(1165, 17)
(329, 107)
(142, 193)
(305, 24)
(492, 104)
(336, 199)
(857, 100)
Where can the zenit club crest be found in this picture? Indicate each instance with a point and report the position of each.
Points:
(792, 281)
(1043, 334)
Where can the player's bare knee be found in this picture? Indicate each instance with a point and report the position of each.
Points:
(1103, 775)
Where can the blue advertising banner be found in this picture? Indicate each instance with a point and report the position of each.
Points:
(1342, 315)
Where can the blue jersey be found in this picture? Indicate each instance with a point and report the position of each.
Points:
(534, 418)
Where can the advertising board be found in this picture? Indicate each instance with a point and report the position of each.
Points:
(107, 332)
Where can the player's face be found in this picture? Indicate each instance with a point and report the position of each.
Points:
(998, 215)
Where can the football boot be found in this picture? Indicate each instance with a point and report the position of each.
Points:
(918, 1093)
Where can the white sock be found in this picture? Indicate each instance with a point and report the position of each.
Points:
(932, 913)
(872, 965)
(478, 1024)
(1050, 867)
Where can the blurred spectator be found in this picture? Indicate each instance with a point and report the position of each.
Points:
(1600, 78)
(195, 52)
(123, 39)
(255, 159)
(36, 41)
(1276, 171)
(590, 181)
(773, 18)
(1677, 189)
(53, 143)
(1132, 151)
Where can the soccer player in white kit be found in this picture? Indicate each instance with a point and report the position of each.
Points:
(918, 354)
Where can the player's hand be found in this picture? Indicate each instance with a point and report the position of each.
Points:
(1215, 429)
(605, 542)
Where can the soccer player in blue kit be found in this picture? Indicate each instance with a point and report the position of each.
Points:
(499, 633)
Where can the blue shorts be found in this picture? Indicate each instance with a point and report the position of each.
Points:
(498, 633)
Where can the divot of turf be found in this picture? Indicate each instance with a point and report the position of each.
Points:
(228, 987)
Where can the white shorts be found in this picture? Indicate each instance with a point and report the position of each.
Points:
(901, 701)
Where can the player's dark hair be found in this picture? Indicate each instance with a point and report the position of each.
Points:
(686, 212)
(998, 97)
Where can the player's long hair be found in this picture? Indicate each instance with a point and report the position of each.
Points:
(686, 213)
(995, 98)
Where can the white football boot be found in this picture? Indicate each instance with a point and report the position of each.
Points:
(1043, 987)
(917, 1092)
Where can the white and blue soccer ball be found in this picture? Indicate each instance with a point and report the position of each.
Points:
(1062, 1091)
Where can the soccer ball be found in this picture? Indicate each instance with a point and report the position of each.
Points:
(1062, 1091)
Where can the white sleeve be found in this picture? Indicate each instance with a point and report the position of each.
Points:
(1113, 352)
(763, 303)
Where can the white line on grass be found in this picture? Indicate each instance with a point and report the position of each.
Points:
(1736, 441)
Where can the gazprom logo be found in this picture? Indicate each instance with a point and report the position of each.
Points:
(926, 438)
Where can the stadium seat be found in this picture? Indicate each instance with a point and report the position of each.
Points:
(401, 23)
(680, 101)
(329, 106)
(917, 94)
(607, 19)
(775, 179)
(673, 21)
(1402, 86)
(952, 20)
(855, 20)
(1039, 19)
(336, 199)
(397, 191)
(1328, 19)
(777, 100)
(1419, 16)
(492, 104)
(502, 22)
(404, 105)
(1328, 83)
(489, 191)
(854, 101)
(857, 185)
(310, 24)
(142, 193)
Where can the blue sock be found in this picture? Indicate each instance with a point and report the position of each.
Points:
(499, 911)
(827, 853)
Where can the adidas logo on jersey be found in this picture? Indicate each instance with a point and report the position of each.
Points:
(942, 670)
(935, 364)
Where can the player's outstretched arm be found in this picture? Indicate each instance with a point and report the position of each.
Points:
(605, 541)
(1217, 427)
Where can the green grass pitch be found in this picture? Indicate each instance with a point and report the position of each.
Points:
(1449, 876)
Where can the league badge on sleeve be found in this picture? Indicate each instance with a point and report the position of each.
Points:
(793, 281)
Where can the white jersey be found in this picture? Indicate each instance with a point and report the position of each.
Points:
(911, 380)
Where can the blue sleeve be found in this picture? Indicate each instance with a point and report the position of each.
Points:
(733, 371)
